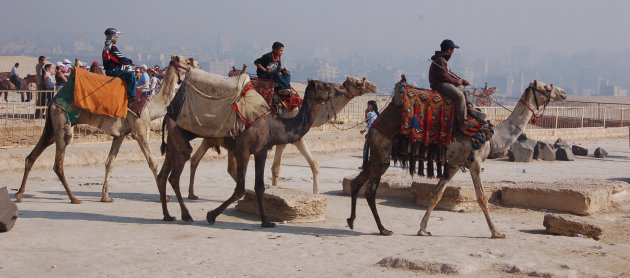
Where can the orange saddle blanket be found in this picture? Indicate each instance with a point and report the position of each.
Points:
(100, 94)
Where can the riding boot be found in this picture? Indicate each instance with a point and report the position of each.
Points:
(477, 114)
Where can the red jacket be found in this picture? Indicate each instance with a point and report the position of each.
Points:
(438, 75)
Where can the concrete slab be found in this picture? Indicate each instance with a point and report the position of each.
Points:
(285, 204)
(582, 197)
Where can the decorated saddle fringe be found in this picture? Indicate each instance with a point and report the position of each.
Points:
(427, 129)
(265, 87)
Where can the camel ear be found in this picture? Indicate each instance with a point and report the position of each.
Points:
(535, 84)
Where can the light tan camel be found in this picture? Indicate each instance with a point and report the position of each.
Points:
(335, 106)
(460, 153)
(58, 130)
(257, 139)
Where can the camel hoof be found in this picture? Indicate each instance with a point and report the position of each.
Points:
(168, 218)
(423, 233)
(187, 218)
(211, 218)
(107, 200)
(386, 232)
(76, 201)
(268, 224)
(498, 235)
(350, 223)
(18, 197)
(193, 197)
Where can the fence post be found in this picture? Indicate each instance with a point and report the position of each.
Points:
(582, 120)
(621, 124)
(557, 113)
(605, 117)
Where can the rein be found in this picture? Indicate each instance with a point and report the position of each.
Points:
(534, 116)
(177, 67)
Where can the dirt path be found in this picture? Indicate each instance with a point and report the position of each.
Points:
(127, 238)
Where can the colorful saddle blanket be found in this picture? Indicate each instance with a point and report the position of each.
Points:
(66, 98)
(265, 87)
(429, 118)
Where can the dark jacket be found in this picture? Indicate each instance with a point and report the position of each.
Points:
(267, 62)
(115, 60)
(438, 75)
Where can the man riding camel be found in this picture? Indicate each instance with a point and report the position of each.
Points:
(113, 61)
(269, 66)
(445, 82)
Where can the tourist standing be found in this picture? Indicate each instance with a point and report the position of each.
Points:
(39, 97)
(371, 113)
(60, 78)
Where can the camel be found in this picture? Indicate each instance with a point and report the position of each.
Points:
(257, 139)
(459, 153)
(58, 130)
(336, 105)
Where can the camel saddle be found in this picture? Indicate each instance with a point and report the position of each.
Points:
(423, 128)
(211, 105)
(275, 100)
(98, 94)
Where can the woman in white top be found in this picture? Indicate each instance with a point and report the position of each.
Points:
(371, 113)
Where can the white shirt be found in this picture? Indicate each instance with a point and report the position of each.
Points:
(14, 71)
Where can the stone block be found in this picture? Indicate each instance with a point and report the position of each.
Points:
(577, 150)
(584, 201)
(522, 151)
(568, 225)
(285, 204)
(564, 154)
(8, 211)
(561, 143)
(547, 153)
(540, 146)
(600, 153)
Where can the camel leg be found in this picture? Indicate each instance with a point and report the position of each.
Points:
(194, 162)
(161, 182)
(482, 200)
(109, 165)
(277, 161)
(259, 187)
(436, 196)
(355, 186)
(45, 140)
(242, 159)
(232, 165)
(178, 167)
(303, 148)
(58, 167)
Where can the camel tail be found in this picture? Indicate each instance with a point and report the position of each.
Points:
(163, 145)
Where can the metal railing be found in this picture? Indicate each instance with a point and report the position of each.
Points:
(21, 125)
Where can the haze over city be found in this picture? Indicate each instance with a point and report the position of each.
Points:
(583, 46)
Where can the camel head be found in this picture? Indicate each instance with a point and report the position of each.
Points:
(357, 86)
(542, 93)
(185, 62)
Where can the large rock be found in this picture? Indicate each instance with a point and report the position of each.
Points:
(600, 153)
(561, 143)
(564, 154)
(544, 151)
(8, 211)
(285, 204)
(522, 151)
(577, 150)
(568, 225)
(582, 197)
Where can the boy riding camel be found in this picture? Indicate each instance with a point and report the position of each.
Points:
(445, 82)
(269, 66)
(113, 61)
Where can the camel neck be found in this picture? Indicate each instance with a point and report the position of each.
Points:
(157, 103)
(508, 130)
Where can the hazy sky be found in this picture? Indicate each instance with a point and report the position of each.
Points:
(381, 28)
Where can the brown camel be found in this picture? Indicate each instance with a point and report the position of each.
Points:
(336, 105)
(58, 130)
(459, 153)
(266, 132)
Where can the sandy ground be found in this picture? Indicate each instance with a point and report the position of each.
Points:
(53, 238)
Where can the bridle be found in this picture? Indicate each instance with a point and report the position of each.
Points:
(178, 66)
(332, 104)
(533, 90)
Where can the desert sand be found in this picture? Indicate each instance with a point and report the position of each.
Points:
(127, 238)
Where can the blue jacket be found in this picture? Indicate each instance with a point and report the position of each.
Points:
(115, 59)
